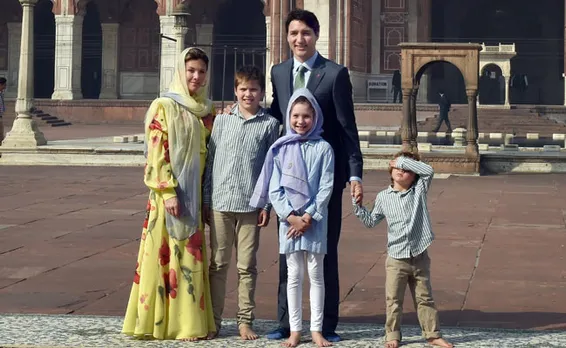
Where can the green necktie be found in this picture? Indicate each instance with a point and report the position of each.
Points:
(300, 78)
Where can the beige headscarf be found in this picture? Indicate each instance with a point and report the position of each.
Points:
(182, 113)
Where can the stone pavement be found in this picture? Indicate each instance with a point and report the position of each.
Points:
(69, 238)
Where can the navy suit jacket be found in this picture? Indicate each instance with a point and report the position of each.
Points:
(330, 84)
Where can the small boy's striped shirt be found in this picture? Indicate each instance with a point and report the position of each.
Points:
(409, 231)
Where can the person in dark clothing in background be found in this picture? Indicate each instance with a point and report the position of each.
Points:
(397, 87)
(444, 105)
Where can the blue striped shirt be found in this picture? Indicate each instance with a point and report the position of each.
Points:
(2, 104)
(409, 231)
(236, 153)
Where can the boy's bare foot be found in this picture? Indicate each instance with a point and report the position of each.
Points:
(319, 340)
(293, 340)
(247, 334)
(440, 342)
(392, 344)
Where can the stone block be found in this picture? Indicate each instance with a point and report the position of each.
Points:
(364, 144)
(551, 148)
(495, 135)
(425, 147)
(422, 134)
(558, 136)
(120, 139)
(508, 138)
(509, 147)
(481, 135)
(391, 133)
(483, 147)
(364, 134)
(441, 134)
(532, 136)
(381, 133)
(132, 138)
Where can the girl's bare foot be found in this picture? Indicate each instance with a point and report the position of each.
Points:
(392, 344)
(319, 340)
(247, 334)
(440, 342)
(293, 340)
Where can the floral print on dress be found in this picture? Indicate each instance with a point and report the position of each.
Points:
(164, 253)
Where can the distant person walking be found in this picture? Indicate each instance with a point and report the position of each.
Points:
(444, 105)
(397, 87)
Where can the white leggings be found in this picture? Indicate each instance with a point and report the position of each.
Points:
(295, 275)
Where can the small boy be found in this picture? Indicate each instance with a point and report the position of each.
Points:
(2, 106)
(237, 149)
(409, 234)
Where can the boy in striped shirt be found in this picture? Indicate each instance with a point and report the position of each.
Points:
(236, 152)
(409, 233)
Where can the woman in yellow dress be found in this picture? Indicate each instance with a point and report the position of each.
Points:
(170, 296)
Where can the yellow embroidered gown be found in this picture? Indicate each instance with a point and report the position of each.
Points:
(170, 296)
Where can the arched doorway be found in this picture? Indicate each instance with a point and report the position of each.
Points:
(536, 27)
(491, 86)
(139, 50)
(44, 49)
(91, 68)
(245, 44)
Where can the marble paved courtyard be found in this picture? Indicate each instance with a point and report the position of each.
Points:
(69, 238)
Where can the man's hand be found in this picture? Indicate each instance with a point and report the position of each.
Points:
(229, 108)
(357, 191)
(172, 207)
(263, 218)
(206, 214)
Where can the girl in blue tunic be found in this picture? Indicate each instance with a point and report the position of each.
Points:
(298, 178)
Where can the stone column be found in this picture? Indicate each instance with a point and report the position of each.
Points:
(204, 37)
(109, 88)
(268, 62)
(376, 37)
(406, 124)
(24, 132)
(507, 104)
(14, 36)
(68, 57)
(322, 10)
(472, 135)
(168, 53)
(414, 93)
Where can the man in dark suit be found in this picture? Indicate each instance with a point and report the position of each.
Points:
(444, 107)
(330, 84)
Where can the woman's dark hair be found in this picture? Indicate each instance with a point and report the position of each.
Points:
(304, 16)
(196, 54)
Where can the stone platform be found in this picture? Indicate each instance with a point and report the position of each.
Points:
(99, 331)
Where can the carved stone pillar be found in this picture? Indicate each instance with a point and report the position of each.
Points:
(507, 105)
(414, 93)
(472, 135)
(204, 37)
(406, 124)
(168, 53)
(24, 132)
(68, 57)
(14, 36)
(109, 88)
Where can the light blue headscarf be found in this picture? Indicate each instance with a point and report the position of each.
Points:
(294, 176)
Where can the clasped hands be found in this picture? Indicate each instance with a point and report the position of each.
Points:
(299, 225)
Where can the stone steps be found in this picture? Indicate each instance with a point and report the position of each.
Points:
(513, 121)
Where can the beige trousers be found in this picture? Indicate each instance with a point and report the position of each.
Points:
(229, 230)
(415, 272)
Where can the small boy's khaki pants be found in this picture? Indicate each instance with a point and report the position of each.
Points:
(229, 230)
(415, 272)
